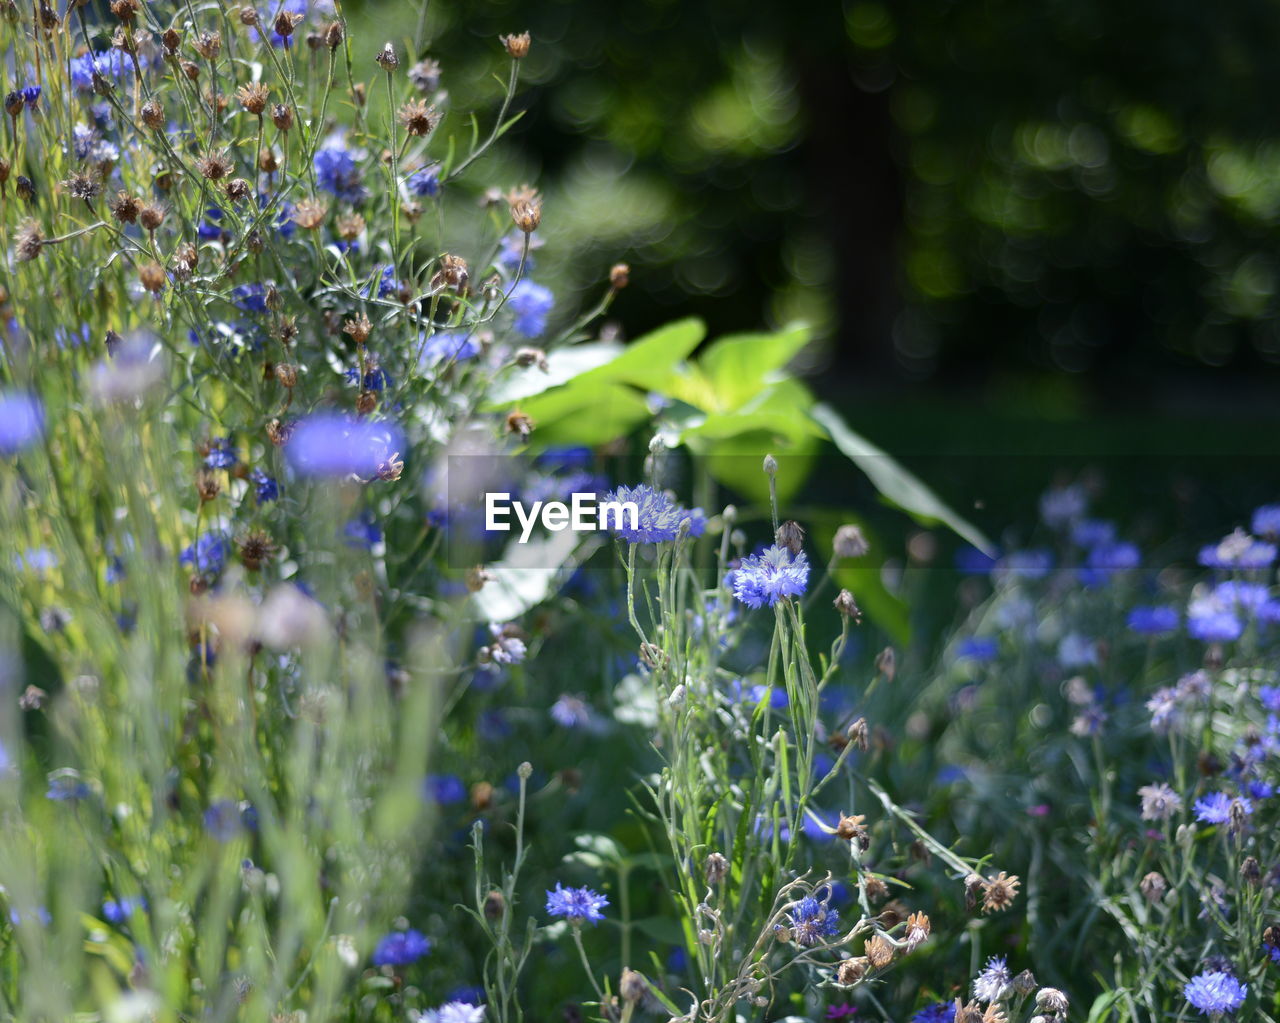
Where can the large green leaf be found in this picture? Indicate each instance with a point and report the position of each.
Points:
(563, 365)
(585, 416)
(740, 365)
(894, 482)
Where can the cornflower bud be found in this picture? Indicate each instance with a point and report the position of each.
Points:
(387, 59)
(282, 117)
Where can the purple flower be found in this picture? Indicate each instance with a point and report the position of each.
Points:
(1248, 596)
(994, 982)
(362, 532)
(1152, 621)
(810, 920)
(250, 298)
(338, 173)
(265, 487)
(1106, 560)
(208, 555)
(330, 444)
(578, 905)
(977, 648)
(1239, 550)
(400, 948)
(222, 454)
(21, 421)
(938, 1012)
(766, 578)
(1215, 992)
(658, 518)
(531, 303)
(445, 789)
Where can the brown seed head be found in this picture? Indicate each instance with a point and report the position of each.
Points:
(453, 274)
(366, 402)
(124, 208)
(715, 868)
(876, 890)
(527, 214)
(208, 485)
(214, 166)
(249, 17)
(238, 189)
(878, 952)
(495, 905)
(25, 188)
(350, 226)
(151, 216)
(125, 10)
(172, 40)
(334, 33)
(310, 213)
(190, 68)
(387, 59)
(256, 550)
(849, 542)
(287, 374)
(519, 423)
(619, 276)
(253, 97)
(282, 117)
(632, 986)
(851, 971)
(286, 22)
(208, 45)
(152, 115)
(847, 606)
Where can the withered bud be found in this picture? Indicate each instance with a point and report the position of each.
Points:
(172, 40)
(1024, 983)
(238, 189)
(334, 33)
(849, 542)
(887, 663)
(517, 46)
(268, 162)
(387, 59)
(791, 536)
(4, 171)
(453, 274)
(253, 97)
(214, 166)
(850, 827)
(151, 216)
(495, 905)
(527, 357)
(632, 986)
(847, 606)
(209, 45)
(28, 241)
(527, 214)
(124, 208)
(286, 374)
(152, 276)
(878, 952)
(152, 115)
(286, 22)
(477, 576)
(876, 889)
(186, 256)
(417, 118)
(359, 94)
(256, 550)
(282, 117)
(366, 402)
(249, 17)
(309, 214)
(425, 75)
(619, 276)
(1153, 886)
(125, 10)
(858, 734)
(850, 971)
(191, 69)
(972, 888)
(715, 868)
(32, 698)
(350, 226)
(279, 433)
(359, 328)
(25, 188)
(208, 485)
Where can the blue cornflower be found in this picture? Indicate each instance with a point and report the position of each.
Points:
(448, 346)
(31, 96)
(697, 520)
(1273, 952)
(21, 421)
(938, 1012)
(107, 63)
(1270, 698)
(994, 982)
(40, 913)
(1105, 560)
(1268, 611)
(117, 912)
(375, 379)
(338, 173)
(1248, 596)
(740, 692)
(578, 905)
(1215, 992)
(1266, 520)
(810, 920)
(1215, 808)
(265, 488)
(208, 555)
(222, 454)
(210, 228)
(444, 789)
(532, 304)
(972, 561)
(454, 1012)
(766, 578)
(658, 518)
(331, 444)
(400, 948)
(1152, 621)
(250, 298)
(385, 275)
(977, 648)
(425, 182)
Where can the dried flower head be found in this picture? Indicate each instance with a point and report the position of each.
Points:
(334, 33)
(214, 166)
(527, 214)
(286, 22)
(28, 241)
(208, 485)
(152, 276)
(519, 424)
(849, 542)
(917, 933)
(619, 276)
(125, 10)
(517, 46)
(452, 275)
(417, 118)
(887, 663)
(124, 207)
(282, 117)
(152, 115)
(851, 971)
(256, 549)
(999, 892)
(359, 328)
(715, 868)
(847, 606)
(425, 75)
(879, 952)
(238, 189)
(253, 97)
(83, 186)
(309, 214)
(208, 45)
(151, 216)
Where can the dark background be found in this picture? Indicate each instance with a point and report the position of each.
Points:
(1059, 208)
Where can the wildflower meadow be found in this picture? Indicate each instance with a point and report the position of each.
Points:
(319, 699)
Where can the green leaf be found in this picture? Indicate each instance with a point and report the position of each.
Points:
(588, 416)
(649, 361)
(562, 366)
(739, 365)
(893, 481)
